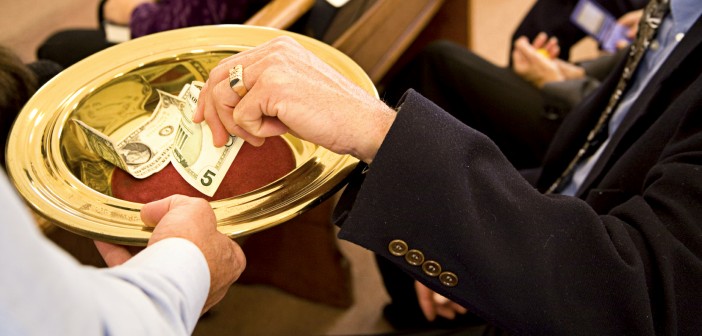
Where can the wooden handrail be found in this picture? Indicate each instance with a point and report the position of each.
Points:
(380, 36)
(280, 14)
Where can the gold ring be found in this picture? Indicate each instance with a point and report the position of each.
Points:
(236, 80)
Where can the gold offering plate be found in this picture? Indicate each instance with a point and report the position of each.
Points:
(62, 180)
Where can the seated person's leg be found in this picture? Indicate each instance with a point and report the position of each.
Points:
(70, 46)
(491, 99)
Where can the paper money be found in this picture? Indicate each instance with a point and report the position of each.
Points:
(194, 156)
(147, 149)
(170, 135)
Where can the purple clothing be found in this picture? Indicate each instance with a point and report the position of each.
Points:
(165, 15)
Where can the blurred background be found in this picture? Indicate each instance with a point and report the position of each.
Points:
(25, 24)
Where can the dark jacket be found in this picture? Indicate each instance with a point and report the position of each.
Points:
(623, 257)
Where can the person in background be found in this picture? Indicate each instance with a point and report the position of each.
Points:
(606, 241)
(542, 89)
(553, 18)
(143, 17)
(18, 82)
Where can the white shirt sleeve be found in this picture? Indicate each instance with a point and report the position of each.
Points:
(44, 291)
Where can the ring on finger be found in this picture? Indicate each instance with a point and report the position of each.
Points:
(236, 80)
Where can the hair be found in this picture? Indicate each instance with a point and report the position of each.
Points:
(17, 85)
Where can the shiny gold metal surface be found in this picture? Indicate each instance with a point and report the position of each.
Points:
(62, 180)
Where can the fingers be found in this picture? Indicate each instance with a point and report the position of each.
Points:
(517, 57)
(447, 308)
(458, 308)
(218, 113)
(426, 301)
(522, 44)
(249, 57)
(199, 114)
(552, 47)
(218, 99)
(519, 61)
(518, 52)
(292, 90)
(219, 132)
(631, 21)
(255, 119)
(532, 57)
(177, 209)
(521, 41)
(434, 304)
(548, 46)
(444, 307)
(527, 52)
(632, 32)
(112, 254)
(539, 40)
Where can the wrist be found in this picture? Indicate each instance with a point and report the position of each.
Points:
(381, 121)
(541, 82)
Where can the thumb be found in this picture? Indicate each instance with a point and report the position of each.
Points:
(518, 60)
(523, 47)
(151, 213)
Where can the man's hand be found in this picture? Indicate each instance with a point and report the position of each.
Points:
(631, 21)
(540, 68)
(291, 90)
(547, 46)
(192, 219)
(433, 304)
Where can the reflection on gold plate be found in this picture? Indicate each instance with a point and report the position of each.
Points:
(62, 180)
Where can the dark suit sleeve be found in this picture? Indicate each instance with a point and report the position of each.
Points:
(527, 262)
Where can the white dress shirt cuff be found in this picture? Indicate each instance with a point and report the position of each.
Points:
(183, 265)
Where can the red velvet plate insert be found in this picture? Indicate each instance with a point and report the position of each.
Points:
(253, 167)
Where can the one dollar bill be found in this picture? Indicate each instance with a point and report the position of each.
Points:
(147, 149)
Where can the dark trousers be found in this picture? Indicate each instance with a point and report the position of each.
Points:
(70, 46)
(486, 97)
